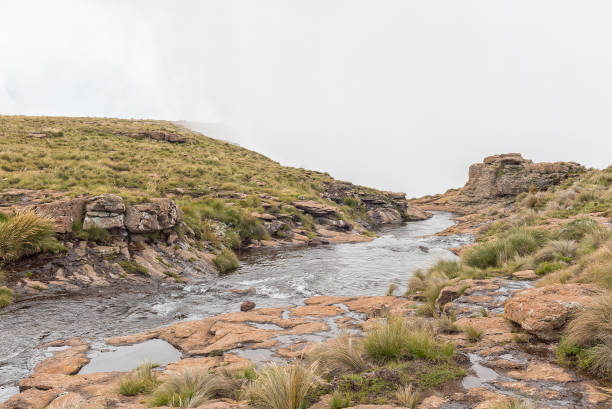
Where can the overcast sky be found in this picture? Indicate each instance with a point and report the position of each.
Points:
(400, 95)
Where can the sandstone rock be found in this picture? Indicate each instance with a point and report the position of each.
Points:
(509, 174)
(243, 291)
(161, 135)
(542, 372)
(264, 216)
(275, 226)
(105, 211)
(158, 215)
(106, 203)
(247, 306)
(544, 311)
(316, 209)
(497, 181)
(30, 399)
(63, 212)
(385, 215)
(525, 275)
(432, 402)
(415, 214)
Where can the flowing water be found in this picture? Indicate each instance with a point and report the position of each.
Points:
(279, 278)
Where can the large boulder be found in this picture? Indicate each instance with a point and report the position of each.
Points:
(315, 208)
(64, 212)
(158, 215)
(105, 211)
(415, 214)
(544, 311)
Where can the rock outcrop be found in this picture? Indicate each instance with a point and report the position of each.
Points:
(544, 311)
(381, 207)
(316, 209)
(509, 174)
(105, 211)
(499, 179)
(64, 212)
(160, 214)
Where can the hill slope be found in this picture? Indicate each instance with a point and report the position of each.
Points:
(155, 198)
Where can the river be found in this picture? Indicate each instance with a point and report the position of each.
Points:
(281, 277)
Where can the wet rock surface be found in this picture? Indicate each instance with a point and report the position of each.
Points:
(500, 368)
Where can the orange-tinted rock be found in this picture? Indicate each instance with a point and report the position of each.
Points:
(30, 399)
(544, 311)
(542, 372)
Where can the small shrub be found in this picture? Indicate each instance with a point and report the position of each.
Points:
(392, 289)
(226, 261)
(6, 296)
(232, 240)
(24, 234)
(387, 340)
(282, 386)
(407, 396)
(93, 233)
(548, 267)
(450, 268)
(472, 333)
(133, 267)
(446, 323)
(343, 354)
(140, 380)
(577, 229)
(340, 400)
(189, 389)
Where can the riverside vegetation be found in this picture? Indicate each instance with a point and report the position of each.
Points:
(136, 187)
(561, 235)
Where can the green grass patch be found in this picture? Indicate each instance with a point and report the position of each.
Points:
(133, 267)
(226, 261)
(6, 296)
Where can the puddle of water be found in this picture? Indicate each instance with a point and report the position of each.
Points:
(265, 326)
(126, 358)
(259, 356)
(483, 374)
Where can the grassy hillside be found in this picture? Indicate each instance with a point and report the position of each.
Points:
(103, 155)
(226, 192)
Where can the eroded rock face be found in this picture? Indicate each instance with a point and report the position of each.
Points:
(315, 209)
(160, 214)
(498, 180)
(64, 212)
(509, 174)
(544, 311)
(385, 216)
(105, 211)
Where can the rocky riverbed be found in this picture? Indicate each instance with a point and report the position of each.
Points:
(274, 278)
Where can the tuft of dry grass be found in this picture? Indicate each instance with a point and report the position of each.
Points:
(23, 234)
(592, 325)
(282, 386)
(140, 380)
(190, 389)
(472, 333)
(343, 354)
(407, 396)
